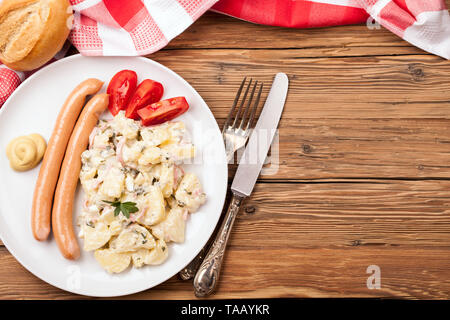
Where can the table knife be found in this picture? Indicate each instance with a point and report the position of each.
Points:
(247, 173)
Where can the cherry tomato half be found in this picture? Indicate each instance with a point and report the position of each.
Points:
(163, 111)
(147, 92)
(120, 89)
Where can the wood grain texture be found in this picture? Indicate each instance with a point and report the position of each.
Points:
(418, 273)
(214, 30)
(317, 240)
(363, 174)
(355, 87)
(359, 117)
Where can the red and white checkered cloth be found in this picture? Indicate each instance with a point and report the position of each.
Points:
(131, 27)
(424, 23)
(140, 27)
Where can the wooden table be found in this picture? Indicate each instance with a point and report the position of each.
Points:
(364, 170)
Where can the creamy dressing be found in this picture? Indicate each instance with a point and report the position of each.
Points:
(126, 162)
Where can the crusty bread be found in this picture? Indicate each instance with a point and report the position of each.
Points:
(32, 31)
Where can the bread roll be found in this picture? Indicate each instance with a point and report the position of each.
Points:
(32, 31)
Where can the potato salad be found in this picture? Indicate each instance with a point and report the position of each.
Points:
(138, 196)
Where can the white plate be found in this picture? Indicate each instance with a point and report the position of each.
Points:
(33, 108)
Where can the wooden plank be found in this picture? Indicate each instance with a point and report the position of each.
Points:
(324, 273)
(405, 273)
(344, 118)
(381, 148)
(344, 88)
(215, 30)
(316, 240)
(369, 213)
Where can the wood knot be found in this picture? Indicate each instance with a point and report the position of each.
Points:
(250, 210)
(356, 243)
(420, 167)
(416, 72)
(306, 148)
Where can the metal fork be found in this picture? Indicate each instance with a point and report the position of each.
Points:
(235, 137)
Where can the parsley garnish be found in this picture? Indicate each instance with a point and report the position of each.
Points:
(125, 207)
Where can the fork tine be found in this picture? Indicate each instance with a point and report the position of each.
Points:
(241, 104)
(247, 108)
(255, 106)
(230, 114)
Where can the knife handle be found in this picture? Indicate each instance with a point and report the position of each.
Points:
(207, 276)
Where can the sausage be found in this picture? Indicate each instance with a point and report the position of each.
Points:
(68, 177)
(48, 174)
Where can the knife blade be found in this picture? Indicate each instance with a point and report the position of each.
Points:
(258, 146)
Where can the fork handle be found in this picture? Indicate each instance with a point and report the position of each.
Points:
(189, 271)
(207, 276)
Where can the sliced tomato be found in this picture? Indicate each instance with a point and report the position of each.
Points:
(147, 92)
(163, 111)
(120, 89)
